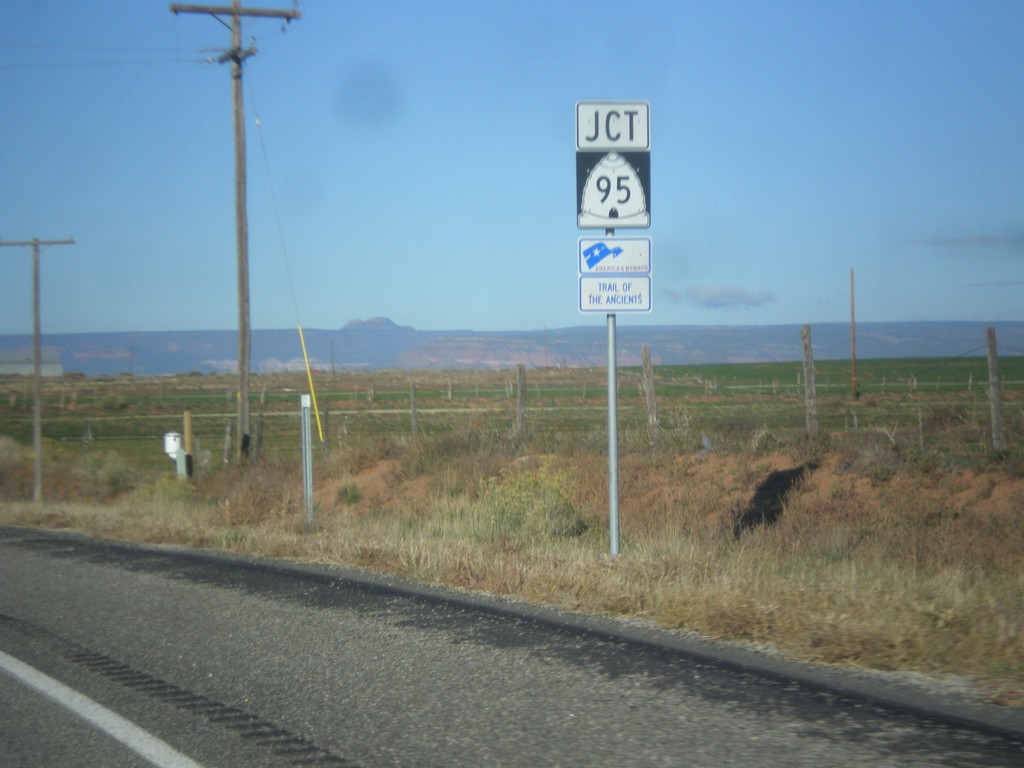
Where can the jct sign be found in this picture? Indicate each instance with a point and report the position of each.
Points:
(610, 126)
(613, 164)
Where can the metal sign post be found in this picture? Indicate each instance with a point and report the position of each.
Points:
(613, 441)
(307, 459)
(613, 190)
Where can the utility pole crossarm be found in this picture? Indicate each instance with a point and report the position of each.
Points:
(229, 10)
(28, 243)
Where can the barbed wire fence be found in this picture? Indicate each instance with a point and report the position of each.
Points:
(903, 404)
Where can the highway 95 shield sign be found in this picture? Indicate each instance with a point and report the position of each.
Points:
(613, 165)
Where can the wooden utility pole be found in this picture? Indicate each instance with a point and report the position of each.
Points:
(37, 366)
(236, 55)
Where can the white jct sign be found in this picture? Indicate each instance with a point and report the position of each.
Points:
(606, 125)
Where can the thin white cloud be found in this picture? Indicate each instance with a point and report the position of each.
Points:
(996, 284)
(720, 296)
(980, 241)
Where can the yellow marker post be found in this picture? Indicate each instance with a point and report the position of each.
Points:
(312, 391)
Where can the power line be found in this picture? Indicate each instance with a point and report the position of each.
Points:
(273, 202)
(90, 143)
(128, 194)
(48, 49)
(113, 63)
(65, 47)
(284, 251)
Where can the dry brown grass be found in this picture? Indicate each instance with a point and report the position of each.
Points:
(879, 560)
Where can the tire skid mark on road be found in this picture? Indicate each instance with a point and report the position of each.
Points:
(294, 749)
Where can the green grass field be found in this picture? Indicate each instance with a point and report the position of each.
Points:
(915, 399)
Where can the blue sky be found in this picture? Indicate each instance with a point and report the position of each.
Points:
(416, 160)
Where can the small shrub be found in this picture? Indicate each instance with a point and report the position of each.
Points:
(458, 459)
(260, 493)
(112, 404)
(105, 474)
(764, 441)
(812, 449)
(470, 447)
(349, 494)
(15, 479)
(529, 504)
(10, 453)
(172, 488)
(879, 462)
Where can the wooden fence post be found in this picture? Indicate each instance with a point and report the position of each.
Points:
(520, 423)
(810, 394)
(412, 407)
(257, 452)
(227, 443)
(995, 395)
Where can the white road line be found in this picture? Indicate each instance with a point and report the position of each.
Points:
(143, 743)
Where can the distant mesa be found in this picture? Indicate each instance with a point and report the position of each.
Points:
(381, 344)
(375, 323)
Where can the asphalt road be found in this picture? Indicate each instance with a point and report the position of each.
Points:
(230, 661)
